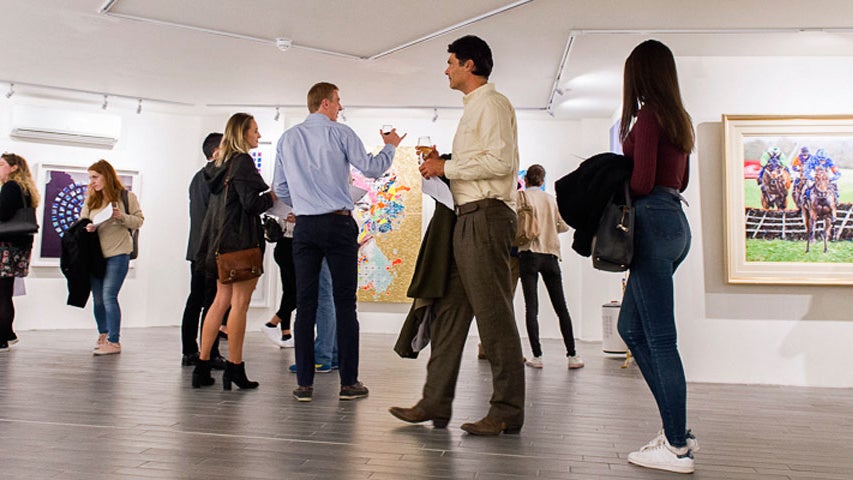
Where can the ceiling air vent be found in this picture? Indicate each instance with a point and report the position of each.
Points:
(62, 137)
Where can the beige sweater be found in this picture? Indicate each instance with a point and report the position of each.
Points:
(550, 223)
(113, 234)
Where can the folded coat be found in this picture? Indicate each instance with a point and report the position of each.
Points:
(429, 282)
(583, 194)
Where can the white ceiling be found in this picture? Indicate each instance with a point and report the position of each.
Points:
(174, 56)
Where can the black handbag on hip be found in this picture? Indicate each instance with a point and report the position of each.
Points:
(23, 222)
(613, 243)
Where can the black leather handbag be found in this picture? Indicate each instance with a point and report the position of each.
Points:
(613, 243)
(23, 222)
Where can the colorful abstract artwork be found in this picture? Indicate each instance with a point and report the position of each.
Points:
(389, 219)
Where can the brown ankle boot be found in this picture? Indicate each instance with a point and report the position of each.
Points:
(490, 426)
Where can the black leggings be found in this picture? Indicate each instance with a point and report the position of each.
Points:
(283, 255)
(7, 308)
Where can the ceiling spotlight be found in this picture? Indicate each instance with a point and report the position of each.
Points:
(277, 114)
(105, 104)
(139, 107)
(560, 92)
(283, 44)
(434, 115)
(11, 90)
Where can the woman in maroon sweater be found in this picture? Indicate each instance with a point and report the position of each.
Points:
(659, 142)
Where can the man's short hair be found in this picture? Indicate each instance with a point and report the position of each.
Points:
(211, 143)
(319, 92)
(473, 48)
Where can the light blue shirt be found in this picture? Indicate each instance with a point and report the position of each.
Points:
(312, 165)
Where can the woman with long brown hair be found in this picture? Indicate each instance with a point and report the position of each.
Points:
(18, 191)
(657, 134)
(106, 191)
(232, 223)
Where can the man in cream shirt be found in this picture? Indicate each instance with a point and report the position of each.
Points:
(482, 174)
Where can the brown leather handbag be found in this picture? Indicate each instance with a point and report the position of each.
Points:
(240, 265)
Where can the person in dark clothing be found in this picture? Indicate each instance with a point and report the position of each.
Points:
(18, 191)
(232, 223)
(202, 283)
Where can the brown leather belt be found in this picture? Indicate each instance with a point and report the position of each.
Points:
(340, 212)
(474, 206)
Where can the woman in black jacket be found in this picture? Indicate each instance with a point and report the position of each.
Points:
(232, 223)
(18, 191)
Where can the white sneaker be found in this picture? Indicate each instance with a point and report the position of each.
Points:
(692, 443)
(575, 361)
(273, 334)
(535, 362)
(662, 456)
(286, 343)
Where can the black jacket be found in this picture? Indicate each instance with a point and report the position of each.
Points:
(81, 258)
(233, 219)
(12, 199)
(199, 199)
(583, 194)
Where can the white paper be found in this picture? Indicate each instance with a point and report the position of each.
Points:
(103, 215)
(356, 193)
(279, 209)
(437, 189)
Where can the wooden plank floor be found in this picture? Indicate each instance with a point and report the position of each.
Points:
(65, 414)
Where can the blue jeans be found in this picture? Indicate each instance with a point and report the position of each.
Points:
(647, 319)
(326, 342)
(333, 237)
(105, 296)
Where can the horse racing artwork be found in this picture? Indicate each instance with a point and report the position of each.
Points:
(789, 199)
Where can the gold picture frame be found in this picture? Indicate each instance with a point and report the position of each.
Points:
(768, 220)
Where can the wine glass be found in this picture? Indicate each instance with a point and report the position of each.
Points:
(424, 147)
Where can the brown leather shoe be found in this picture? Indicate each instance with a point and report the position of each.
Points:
(417, 414)
(490, 426)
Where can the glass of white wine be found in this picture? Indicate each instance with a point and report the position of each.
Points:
(424, 148)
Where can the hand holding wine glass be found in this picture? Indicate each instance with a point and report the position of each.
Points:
(424, 148)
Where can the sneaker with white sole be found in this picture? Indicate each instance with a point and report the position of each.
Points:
(535, 362)
(272, 332)
(575, 361)
(286, 343)
(662, 456)
(692, 443)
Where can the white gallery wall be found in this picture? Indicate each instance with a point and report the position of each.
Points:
(776, 334)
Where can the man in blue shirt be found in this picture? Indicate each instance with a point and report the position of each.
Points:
(312, 174)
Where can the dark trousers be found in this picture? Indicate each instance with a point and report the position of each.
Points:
(7, 307)
(335, 238)
(532, 265)
(202, 293)
(283, 255)
(480, 286)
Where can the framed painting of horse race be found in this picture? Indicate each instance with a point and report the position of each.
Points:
(789, 199)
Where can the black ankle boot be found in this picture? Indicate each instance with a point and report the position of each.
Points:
(236, 372)
(201, 374)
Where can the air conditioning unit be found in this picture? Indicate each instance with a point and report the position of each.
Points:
(65, 127)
